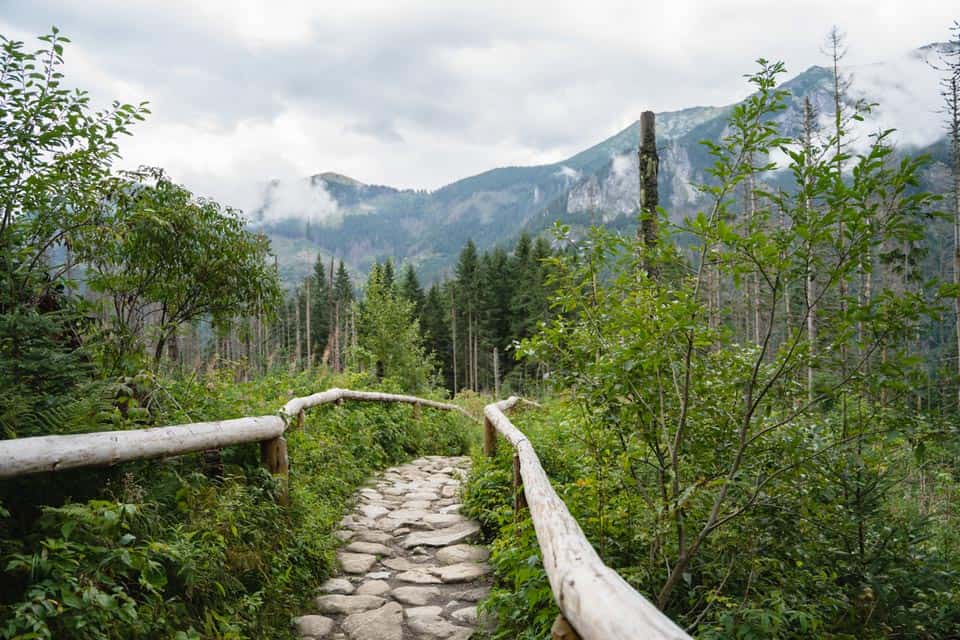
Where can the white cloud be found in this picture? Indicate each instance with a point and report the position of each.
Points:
(301, 199)
(414, 93)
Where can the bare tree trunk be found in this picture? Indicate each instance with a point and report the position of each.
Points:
(649, 163)
(309, 334)
(453, 326)
(810, 284)
(296, 302)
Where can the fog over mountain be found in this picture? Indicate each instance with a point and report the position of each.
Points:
(344, 217)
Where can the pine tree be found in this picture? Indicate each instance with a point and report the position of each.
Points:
(320, 303)
(411, 290)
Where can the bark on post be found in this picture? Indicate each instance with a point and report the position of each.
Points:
(273, 456)
(649, 171)
(489, 438)
(300, 420)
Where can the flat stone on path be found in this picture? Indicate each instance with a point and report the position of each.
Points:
(356, 562)
(337, 585)
(373, 588)
(372, 548)
(418, 577)
(347, 604)
(416, 596)
(462, 553)
(442, 537)
(462, 572)
(408, 572)
(313, 626)
(385, 623)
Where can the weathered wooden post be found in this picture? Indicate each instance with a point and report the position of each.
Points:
(496, 374)
(416, 411)
(519, 497)
(300, 419)
(273, 456)
(561, 629)
(649, 171)
(489, 438)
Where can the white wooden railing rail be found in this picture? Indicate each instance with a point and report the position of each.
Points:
(593, 598)
(23, 456)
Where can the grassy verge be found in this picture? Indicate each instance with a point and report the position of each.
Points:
(176, 549)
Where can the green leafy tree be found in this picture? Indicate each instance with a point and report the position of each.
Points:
(55, 159)
(389, 339)
(168, 258)
(710, 430)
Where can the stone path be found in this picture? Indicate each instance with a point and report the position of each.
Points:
(408, 570)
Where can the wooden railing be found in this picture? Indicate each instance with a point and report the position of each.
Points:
(23, 456)
(593, 598)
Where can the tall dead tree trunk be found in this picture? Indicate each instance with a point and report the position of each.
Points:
(296, 314)
(810, 282)
(309, 333)
(649, 163)
(453, 327)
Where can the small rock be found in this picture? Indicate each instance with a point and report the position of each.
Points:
(373, 548)
(313, 626)
(473, 595)
(373, 511)
(385, 623)
(427, 496)
(432, 626)
(417, 596)
(417, 504)
(418, 577)
(451, 508)
(344, 534)
(443, 537)
(377, 575)
(356, 562)
(467, 615)
(374, 536)
(400, 564)
(444, 519)
(373, 588)
(461, 572)
(347, 604)
(337, 585)
(462, 553)
(419, 612)
(449, 491)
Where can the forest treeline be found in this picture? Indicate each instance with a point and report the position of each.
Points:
(468, 327)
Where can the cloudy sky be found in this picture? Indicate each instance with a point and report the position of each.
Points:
(418, 94)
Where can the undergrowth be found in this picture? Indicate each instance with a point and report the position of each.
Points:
(182, 548)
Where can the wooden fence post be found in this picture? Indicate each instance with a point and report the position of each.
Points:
(561, 629)
(416, 411)
(489, 438)
(273, 456)
(300, 420)
(519, 497)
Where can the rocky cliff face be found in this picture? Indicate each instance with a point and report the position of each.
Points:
(333, 214)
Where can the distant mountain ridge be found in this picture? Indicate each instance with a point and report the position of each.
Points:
(337, 215)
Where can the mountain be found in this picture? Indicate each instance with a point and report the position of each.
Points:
(336, 215)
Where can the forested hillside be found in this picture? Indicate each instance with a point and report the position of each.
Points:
(749, 401)
(361, 223)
